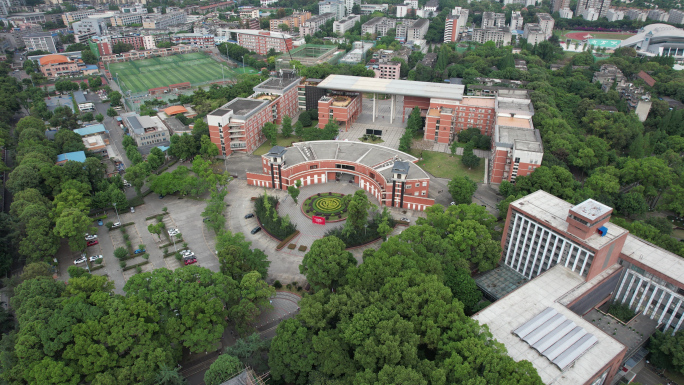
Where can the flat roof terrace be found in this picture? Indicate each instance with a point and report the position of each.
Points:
(393, 87)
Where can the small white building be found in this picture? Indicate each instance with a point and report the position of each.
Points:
(590, 14)
(566, 13)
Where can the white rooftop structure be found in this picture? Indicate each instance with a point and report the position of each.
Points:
(657, 39)
(394, 87)
(576, 349)
(592, 209)
(552, 210)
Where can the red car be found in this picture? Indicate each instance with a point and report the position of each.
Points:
(93, 242)
(190, 261)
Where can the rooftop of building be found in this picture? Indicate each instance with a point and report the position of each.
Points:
(420, 23)
(242, 108)
(379, 157)
(545, 17)
(658, 259)
(523, 139)
(500, 281)
(53, 59)
(507, 121)
(91, 130)
(479, 101)
(257, 32)
(277, 85)
(395, 87)
(77, 156)
(94, 142)
(592, 209)
(553, 211)
(140, 125)
(510, 103)
(527, 302)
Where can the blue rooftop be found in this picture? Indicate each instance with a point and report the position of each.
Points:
(163, 148)
(78, 156)
(90, 130)
(91, 67)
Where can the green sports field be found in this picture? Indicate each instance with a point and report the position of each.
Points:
(140, 75)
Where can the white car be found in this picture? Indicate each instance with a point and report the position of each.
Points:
(80, 260)
(186, 252)
(95, 258)
(117, 224)
(173, 231)
(452, 204)
(89, 237)
(405, 219)
(132, 209)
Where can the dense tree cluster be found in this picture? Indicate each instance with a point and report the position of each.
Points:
(393, 319)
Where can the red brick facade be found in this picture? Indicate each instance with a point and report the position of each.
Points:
(262, 41)
(344, 115)
(454, 117)
(410, 194)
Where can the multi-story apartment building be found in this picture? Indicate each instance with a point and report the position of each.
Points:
(455, 24)
(337, 7)
(500, 36)
(636, 14)
(517, 22)
(148, 131)
(389, 70)
(87, 28)
(412, 29)
(314, 24)
(293, 21)
(657, 14)
(249, 13)
(546, 23)
(601, 7)
(236, 126)
(123, 19)
(29, 18)
(675, 17)
(615, 15)
(367, 9)
(70, 17)
(446, 118)
(343, 25)
(308, 94)
(517, 148)
(43, 41)
(565, 13)
(378, 26)
(491, 19)
(194, 39)
(557, 5)
(105, 44)
(262, 41)
(161, 21)
(349, 4)
(343, 108)
(534, 33)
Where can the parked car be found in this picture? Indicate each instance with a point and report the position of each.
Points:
(256, 230)
(139, 251)
(250, 215)
(95, 258)
(173, 232)
(452, 204)
(190, 261)
(189, 255)
(132, 209)
(117, 224)
(80, 260)
(99, 222)
(89, 237)
(187, 251)
(404, 219)
(93, 242)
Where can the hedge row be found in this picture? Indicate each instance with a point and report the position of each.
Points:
(98, 267)
(126, 268)
(287, 240)
(136, 201)
(172, 253)
(171, 243)
(155, 215)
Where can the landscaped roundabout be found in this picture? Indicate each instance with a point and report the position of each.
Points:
(330, 205)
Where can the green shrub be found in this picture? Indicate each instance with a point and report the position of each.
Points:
(138, 269)
(621, 312)
(277, 227)
(277, 284)
(122, 264)
(109, 225)
(287, 240)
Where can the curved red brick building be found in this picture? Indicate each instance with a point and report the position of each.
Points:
(391, 176)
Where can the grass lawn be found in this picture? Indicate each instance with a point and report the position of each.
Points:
(444, 165)
(282, 141)
(141, 75)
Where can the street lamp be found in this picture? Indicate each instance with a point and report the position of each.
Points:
(117, 212)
